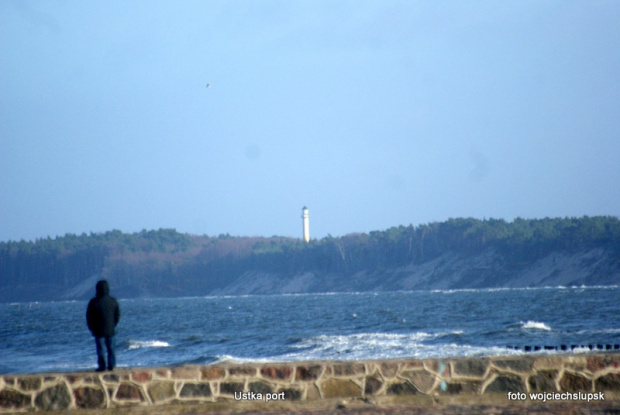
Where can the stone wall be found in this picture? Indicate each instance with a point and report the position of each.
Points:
(478, 379)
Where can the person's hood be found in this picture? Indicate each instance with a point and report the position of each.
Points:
(102, 288)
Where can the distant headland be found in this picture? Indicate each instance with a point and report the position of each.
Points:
(457, 253)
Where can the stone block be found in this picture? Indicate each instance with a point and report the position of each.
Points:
(548, 362)
(213, 373)
(440, 367)
(196, 390)
(161, 391)
(521, 365)
(572, 382)
(389, 370)
(54, 398)
(141, 377)
(30, 383)
(543, 381)
(308, 373)
(260, 387)
(11, 399)
(230, 388)
(183, 372)
(110, 378)
(313, 393)
(576, 363)
(506, 383)
(129, 392)
(402, 388)
(372, 385)
(422, 380)
(73, 378)
(460, 387)
(348, 369)
(162, 374)
(91, 379)
(89, 398)
(597, 363)
(471, 367)
(414, 364)
(277, 372)
(608, 383)
(242, 371)
(337, 388)
(291, 394)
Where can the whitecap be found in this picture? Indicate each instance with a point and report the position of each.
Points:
(497, 289)
(535, 325)
(366, 346)
(226, 358)
(599, 331)
(363, 345)
(139, 344)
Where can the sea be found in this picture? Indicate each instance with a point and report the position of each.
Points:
(52, 336)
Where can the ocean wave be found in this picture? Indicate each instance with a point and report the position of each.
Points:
(496, 289)
(371, 346)
(434, 291)
(471, 290)
(534, 325)
(364, 345)
(226, 358)
(350, 348)
(599, 331)
(140, 344)
(363, 293)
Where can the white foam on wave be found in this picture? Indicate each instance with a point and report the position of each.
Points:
(226, 358)
(496, 289)
(535, 325)
(139, 344)
(376, 346)
(434, 291)
(599, 331)
(470, 290)
(402, 351)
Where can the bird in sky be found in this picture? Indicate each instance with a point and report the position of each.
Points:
(208, 85)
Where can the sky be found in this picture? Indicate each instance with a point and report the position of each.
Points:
(372, 114)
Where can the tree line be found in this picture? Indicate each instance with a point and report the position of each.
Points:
(166, 261)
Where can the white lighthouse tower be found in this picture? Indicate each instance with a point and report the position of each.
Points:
(305, 217)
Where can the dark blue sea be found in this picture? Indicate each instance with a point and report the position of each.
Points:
(52, 336)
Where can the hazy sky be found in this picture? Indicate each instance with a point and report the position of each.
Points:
(371, 113)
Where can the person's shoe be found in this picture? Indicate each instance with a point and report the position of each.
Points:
(100, 369)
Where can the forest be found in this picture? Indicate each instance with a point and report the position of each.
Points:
(165, 262)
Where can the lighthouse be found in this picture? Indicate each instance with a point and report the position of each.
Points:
(305, 217)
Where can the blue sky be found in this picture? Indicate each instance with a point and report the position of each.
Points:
(371, 113)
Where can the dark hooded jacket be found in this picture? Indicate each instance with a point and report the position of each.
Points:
(103, 313)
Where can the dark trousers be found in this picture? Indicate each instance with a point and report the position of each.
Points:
(101, 357)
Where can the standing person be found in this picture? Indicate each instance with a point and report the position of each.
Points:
(102, 316)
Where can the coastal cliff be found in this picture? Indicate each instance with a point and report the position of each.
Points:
(449, 271)
(456, 254)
